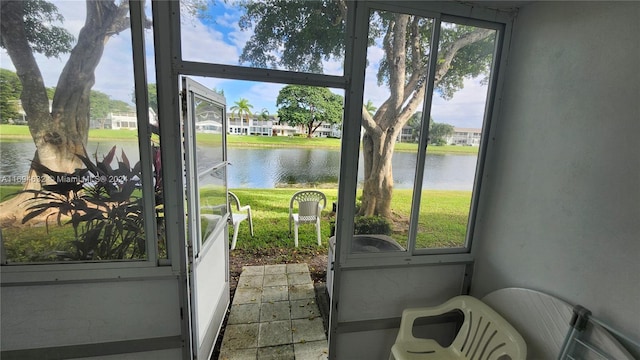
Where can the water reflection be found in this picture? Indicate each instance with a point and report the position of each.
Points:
(269, 168)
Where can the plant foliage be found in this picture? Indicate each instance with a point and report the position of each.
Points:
(44, 37)
(102, 203)
(308, 106)
(10, 89)
(372, 225)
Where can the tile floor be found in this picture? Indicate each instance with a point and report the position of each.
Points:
(274, 315)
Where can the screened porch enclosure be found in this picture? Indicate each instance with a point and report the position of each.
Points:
(534, 89)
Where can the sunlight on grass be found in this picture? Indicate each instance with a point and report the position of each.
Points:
(443, 218)
(9, 191)
(270, 209)
(38, 243)
(443, 222)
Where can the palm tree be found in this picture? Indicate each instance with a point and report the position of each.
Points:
(242, 107)
(264, 114)
(371, 109)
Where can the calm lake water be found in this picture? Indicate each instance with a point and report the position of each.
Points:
(268, 167)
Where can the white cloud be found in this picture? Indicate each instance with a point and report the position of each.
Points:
(114, 74)
(150, 57)
(200, 43)
(261, 95)
(239, 38)
(74, 13)
(372, 91)
(465, 109)
(333, 66)
(228, 19)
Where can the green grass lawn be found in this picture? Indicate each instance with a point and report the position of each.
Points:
(443, 219)
(7, 191)
(20, 132)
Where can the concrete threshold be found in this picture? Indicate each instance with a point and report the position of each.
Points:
(274, 315)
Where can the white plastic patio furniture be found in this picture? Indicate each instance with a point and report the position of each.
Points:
(238, 215)
(310, 205)
(484, 334)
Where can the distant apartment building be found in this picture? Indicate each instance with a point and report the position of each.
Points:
(336, 131)
(123, 121)
(261, 127)
(460, 136)
(324, 130)
(272, 127)
(465, 137)
(251, 126)
(237, 126)
(284, 129)
(406, 135)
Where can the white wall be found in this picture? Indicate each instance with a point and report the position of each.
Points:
(372, 297)
(84, 316)
(560, 205)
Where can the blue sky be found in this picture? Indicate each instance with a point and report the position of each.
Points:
(219, 39)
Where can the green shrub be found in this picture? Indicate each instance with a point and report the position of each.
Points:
(101, 203)
(372, 225)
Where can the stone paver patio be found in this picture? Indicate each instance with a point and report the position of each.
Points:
(274, 315)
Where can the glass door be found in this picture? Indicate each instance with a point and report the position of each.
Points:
(207, 212)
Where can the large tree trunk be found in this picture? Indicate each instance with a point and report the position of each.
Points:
(59, 134)
(378, 185)
(383, 128)
(378, 147)
(407, 90)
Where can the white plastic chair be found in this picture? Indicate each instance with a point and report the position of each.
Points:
(310, 205)
(237, 217)
(484, 334)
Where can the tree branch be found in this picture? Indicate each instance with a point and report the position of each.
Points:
(411, 107)
(14, 38)
(369, 123)
(419, 67)
(448, 53)
(121, 22)
(441, 69)
(397, 60)
(342, 6)
(314, 128)
(71, 100)
(416, 49)
(394, 45)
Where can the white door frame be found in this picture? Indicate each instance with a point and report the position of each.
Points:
(209, 261)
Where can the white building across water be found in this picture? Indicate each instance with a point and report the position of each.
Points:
(465, 136)
(273, 127)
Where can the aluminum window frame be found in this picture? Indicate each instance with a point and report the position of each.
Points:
(484, 138)
(440, 12)
(86, 271)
